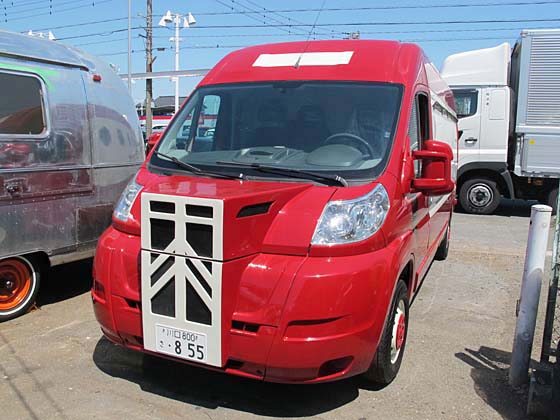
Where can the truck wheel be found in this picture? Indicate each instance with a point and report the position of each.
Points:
(552, 200)
(443, 248)
(479, 196)
(388, 358)
(19, 284)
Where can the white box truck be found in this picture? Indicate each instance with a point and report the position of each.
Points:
(508, 104)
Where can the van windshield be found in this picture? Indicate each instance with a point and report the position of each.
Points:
(330, 128)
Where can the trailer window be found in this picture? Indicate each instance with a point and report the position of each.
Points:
(466, 102)
(21, 106)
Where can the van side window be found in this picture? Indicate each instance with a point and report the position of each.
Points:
(183, 136)
(419, 127)
(413, 128)
(204, 139)
(466, 102)
(424, 118)
(21, 105)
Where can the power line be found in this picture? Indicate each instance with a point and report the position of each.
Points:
(390, 23)
(284, 17)
(194, 47)
(365, 8)
(278, 11)
(279, 27)
(105, 41)
(220, 46)
(104, 33)
(74, 25)
(90, 4)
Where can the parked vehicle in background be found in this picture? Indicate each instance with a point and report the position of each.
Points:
(286, 244)
(159, 123)
(69, 142)
(152, 141)
(508, 103)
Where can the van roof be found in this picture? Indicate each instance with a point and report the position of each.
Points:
(351, 60)
(26, 47)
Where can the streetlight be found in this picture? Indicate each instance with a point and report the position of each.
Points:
(188, 20)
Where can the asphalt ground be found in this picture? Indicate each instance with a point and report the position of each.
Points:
(55, 364)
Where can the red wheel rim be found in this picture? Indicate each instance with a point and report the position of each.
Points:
(398, 331)
(401, 328)
(15, 283)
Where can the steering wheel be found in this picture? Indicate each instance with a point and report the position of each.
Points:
(352, 138)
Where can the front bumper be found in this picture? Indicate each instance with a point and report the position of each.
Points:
(289, 319)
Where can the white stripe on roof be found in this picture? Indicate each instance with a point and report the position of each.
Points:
(307, 59)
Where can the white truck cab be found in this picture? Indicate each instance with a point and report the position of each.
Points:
(497, 91)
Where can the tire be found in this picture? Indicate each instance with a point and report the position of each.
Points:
(479, 196)
(388, 357)
(19, 285)
(443, 248)
(552, 200)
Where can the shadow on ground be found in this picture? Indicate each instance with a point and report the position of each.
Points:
(510, 208)
(65, 281)
(490, 376)
(207, 389)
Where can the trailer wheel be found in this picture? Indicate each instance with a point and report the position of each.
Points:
(479, 196)
(19, 284)
(389, 355)
(552, 200)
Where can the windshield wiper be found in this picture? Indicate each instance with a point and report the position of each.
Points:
(297, 173)
(195, 169)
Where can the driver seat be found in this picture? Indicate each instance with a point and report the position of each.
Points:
(310, 128)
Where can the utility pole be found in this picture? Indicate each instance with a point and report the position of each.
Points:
(176, 18)
(149, 62)
(177, 40)
(129, 49)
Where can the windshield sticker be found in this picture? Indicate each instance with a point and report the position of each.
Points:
(303, 59)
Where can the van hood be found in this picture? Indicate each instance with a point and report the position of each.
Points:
(227, 219)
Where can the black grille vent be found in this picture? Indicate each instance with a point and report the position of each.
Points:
(162, 233)
(199, 211)
(254, 209)
(199, 277)
(200, 238)
(162, 269)
(197, 311)
(163, 303)
(162, 207)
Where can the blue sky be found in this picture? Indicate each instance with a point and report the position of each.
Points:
(203, 45)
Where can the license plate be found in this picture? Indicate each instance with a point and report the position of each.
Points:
(181, 343)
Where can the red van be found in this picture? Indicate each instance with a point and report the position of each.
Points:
(286, 243)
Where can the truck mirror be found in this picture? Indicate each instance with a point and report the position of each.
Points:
(436, 158)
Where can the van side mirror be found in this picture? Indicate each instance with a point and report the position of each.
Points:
(436, 158)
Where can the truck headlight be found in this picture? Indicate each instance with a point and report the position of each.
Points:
(347, 221)
(122, 209)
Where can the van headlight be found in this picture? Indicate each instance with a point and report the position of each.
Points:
(122, 209)
(347, 221)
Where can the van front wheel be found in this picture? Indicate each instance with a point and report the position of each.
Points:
(479, 196)
(19, 284)
(388, 358)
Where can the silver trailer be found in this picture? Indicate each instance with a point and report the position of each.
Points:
(69, 142)
(535, 76)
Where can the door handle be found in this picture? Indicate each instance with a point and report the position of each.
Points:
(471, 140)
